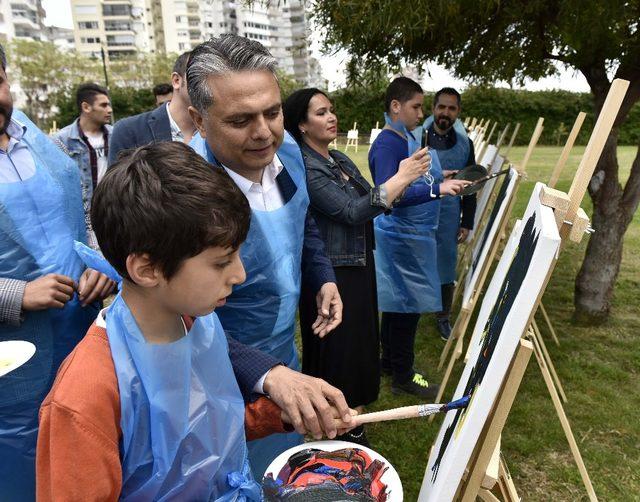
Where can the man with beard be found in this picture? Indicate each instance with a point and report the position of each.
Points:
(86, 139)
(47, 296)
(446, 134)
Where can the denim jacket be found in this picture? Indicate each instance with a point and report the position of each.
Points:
(341, 214)
(69, 136)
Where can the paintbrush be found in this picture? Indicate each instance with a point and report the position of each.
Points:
(416, 411)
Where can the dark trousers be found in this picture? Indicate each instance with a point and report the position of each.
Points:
(398, 334)
(447, 300)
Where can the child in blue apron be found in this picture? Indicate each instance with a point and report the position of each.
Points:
(405, 255)
(171, 226)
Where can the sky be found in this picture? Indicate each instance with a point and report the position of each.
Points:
(59, 14)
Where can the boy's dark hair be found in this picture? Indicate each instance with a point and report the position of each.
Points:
(401, 89)
(165, 200)
(3, 58)
(162, 89)
(296, 109)
(87, 93)
(447, 90)
(180, 66)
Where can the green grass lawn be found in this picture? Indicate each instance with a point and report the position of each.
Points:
(599, 368)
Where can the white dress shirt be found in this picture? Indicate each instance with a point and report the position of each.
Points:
(264, 196)
(176, 133)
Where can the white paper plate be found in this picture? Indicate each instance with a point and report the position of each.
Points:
(13, 354)
(390, 477)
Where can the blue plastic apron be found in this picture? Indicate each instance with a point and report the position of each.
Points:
(40, 218)
(188, 441)
(261, 312)
(405, 253)
(450, 207)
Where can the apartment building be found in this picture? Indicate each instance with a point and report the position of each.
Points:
(21, 19)
(124, 27)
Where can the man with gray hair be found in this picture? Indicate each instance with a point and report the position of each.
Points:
(237, 110)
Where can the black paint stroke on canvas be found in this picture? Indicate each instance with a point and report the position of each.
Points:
(495, 323)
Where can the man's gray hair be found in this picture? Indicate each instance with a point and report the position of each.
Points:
(221, 55)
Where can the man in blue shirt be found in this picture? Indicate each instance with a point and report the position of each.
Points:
(47, 296)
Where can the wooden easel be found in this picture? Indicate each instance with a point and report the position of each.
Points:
(464, 316)
(572, 223)
(352, 138)
(487, 141)
(480, 464)
(502, 136)
(466, 312)
(482, 220)
(374, 134)
(555, 176)
(513, 138)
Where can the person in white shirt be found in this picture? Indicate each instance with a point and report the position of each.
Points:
(86, 139)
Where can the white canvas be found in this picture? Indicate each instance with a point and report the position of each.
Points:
(506, 310)
(488, 234)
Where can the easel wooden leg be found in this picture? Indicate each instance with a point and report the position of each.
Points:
(549, 325)
(506, 484)
(493, 428)
(563, 417)
(547, 358)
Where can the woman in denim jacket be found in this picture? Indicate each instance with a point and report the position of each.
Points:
(344, 204)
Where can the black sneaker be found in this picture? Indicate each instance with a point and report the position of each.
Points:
(356, 435)
(418, 386)
(444, 327)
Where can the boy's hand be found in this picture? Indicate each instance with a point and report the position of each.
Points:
(93, 286)
(309, 404)
(329, 309)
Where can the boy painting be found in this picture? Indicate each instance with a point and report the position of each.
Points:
(147, 407)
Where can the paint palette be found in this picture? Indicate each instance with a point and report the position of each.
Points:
(390, 476)
(13, 354)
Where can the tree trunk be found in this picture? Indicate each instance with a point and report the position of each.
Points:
(613, 210)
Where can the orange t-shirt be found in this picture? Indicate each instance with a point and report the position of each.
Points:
(77, 456)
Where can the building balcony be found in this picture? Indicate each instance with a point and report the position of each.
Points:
(25, 22)
(29, 4)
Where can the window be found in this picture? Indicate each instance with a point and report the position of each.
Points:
(116, 10)
(117, 26)
(181, 19)
(88, 25)
(182, 46)
(86, 9)
(90, 40)
(120, 40)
